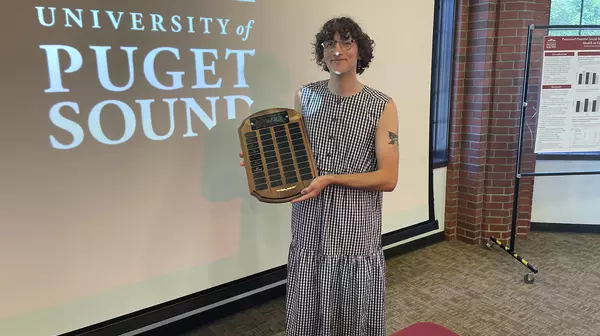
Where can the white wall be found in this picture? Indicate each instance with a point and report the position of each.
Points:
(439, 194)
(566, 199)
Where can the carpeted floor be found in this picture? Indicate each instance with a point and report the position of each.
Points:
(474, 291)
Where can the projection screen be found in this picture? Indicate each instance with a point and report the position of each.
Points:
(121, 185)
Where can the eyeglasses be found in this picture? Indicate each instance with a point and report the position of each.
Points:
(330, 44)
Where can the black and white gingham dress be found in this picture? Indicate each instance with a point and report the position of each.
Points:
(336, 267)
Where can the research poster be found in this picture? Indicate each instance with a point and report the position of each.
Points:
(569, 108)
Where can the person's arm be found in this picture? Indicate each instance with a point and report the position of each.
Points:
(386, 142)
(298, 101)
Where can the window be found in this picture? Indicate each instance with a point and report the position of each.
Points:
(573, 12)
(442, 77)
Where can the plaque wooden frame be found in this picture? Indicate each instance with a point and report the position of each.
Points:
(276, 172)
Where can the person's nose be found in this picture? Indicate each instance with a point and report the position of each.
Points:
(338, 47)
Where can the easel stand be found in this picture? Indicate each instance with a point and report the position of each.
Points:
(530, 277)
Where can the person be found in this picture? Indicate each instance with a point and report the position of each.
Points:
(336, 266)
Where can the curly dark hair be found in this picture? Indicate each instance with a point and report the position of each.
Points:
(347, 28)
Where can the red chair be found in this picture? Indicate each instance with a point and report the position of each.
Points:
(425, 329)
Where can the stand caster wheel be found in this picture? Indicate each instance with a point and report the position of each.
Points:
(529, 278)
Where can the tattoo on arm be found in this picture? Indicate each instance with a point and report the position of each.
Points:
(393, 138)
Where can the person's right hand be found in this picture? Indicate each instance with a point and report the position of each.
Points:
(242, 161)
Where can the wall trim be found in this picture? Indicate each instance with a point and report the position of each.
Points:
(565, 228)
(277, 292)
(203, 307)
(591, 156)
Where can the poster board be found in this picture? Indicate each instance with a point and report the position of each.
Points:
(569, 108)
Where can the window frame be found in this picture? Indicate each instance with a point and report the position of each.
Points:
(442, 79)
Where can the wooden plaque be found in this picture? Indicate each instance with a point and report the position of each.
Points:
(279, 162)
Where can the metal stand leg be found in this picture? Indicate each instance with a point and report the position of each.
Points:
(529, 277)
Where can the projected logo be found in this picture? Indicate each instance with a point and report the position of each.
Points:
(66, 63)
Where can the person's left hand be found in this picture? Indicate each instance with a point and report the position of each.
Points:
(314, 188)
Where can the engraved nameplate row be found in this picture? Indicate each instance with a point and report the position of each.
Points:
(278, 160)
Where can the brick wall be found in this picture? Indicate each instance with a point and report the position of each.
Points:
(490, 55)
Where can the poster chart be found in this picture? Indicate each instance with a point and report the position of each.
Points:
(569, 108)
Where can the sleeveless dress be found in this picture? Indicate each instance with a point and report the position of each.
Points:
(336, 266)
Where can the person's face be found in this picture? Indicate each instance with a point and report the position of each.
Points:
(340, 54)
